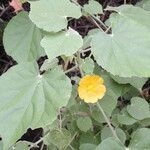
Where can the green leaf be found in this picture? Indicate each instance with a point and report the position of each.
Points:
(139, 108)
(87, 65)
(60, 138)
(1, 145)
(134, 81)
(106, 133)
(98, 116)
(51, 147)
(93, 8)
(22, 39)
(20, 146)
(84, 123)
(140, 139)
(87, 39)
(52, 15)
(29, 99)
(118, 52)
(49, 64)
(125, 118)
(87, 146)
(62, 43)
(145, 4)
(110, 144)
(145, 122)
(88, 137)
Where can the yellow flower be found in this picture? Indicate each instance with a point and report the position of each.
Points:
(91, 88)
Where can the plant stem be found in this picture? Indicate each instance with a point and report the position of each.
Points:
(93, 18)
(36, 143)
(71, 140)
(40, 140)
(78, 62)
(108, 122)
(71, 69)
(99, 22)
(60, 120)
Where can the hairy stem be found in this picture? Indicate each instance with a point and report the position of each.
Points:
(108, 122)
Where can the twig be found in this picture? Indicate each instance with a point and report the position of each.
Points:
(4, 10)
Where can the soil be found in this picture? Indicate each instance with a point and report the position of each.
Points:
(82, 25)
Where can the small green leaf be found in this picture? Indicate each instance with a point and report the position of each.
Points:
(87, 146)
(145, 122)
(84, 123)
(60, 138)
(140, 139)
(106, 133)
(125, 118)
(52, 15)
(49, 64)
(87, 65)
(93, 8)
(31, 100)
(98, 116)
(22, 39)
(139, 108)
(110, 144)
(88, 137)
(62, 43)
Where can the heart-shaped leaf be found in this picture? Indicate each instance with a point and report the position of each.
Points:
(140, 140)
(139, 108)
(29, 99)
(51, 15)
(22, 39)
(62, 43)
(126, 51)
